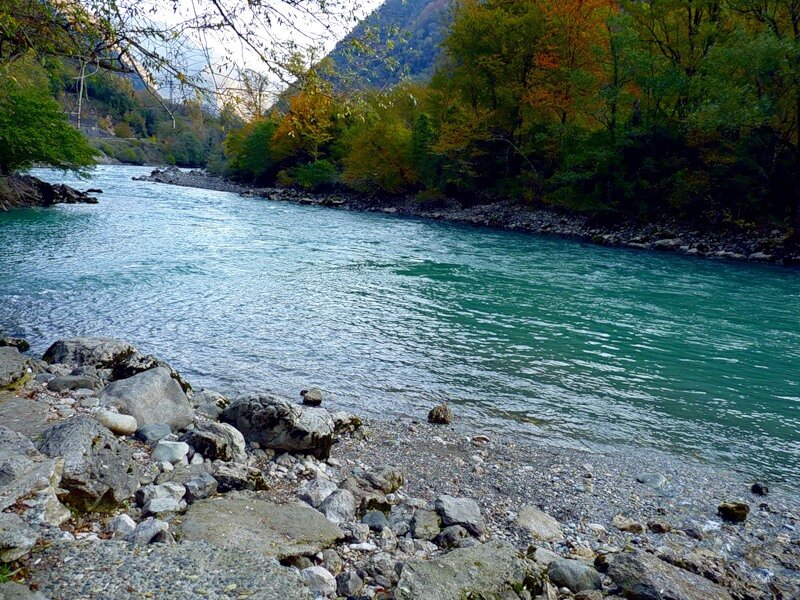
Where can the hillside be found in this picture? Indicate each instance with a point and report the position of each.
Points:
(401, 40)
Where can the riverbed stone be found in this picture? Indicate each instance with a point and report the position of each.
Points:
(15, 368)
(137, 363)
(319, 581)
(574, 574)
(13, 342)
(117, 423)
(237, 476)
(539, 524)
(440, 415)
(461, 511)
(149, 531)
(98, 468)
(279, 425)
(153, 433)
(99, 352)
(349, 584)
(385, 479)
(67, 383)
(642, 576)
(258, 525)
(16, 537)
(171, 452)
(200, 487)
(375, 520)
(482, 571)
(312, 396)
(121, 526)
(654, 480)
(151, 397)
(339, 507)
(315, 491)
(11, 590)
(217, 441)
(627, 524)
(425, 524)
(734, 512)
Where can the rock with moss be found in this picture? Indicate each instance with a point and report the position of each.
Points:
(15, 368)
(488, 571)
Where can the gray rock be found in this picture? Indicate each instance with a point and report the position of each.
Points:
(117, 423)
(148, 531)
(452, 537)
(217, 441)
(67, 383)
(312, 396)
(164, 572)
(210, 397)
(136, 363)
(339, 507)
(11, 590)
(169, 489)
(319, 581)
(461, 511)
(349, 584)
(95, 351)
(27, 474)
(654, 480)
(375, 520)
(385, 479)
(14, 368)
(540, 525)
(98, 469)
(574, 574)
(161, 506)
(16, 537)
(121, 526)
(151, 397)
(642, 576)
(208, 410)
(171, 452)
(345, 422)
(18, 343)
(316, 490)
(233, 477)
(259, 526)
(153, 432)
(280, 425)
(425, 525)
(200, 487)
(483, 571)
(331, 561)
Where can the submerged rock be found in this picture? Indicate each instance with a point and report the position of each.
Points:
(485, 571)
(152, 396)
(312, 396)
(279, 425)
(733, 512)
(259, 526)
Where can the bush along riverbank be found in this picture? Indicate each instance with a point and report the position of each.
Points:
(774, 246)
(119, 480)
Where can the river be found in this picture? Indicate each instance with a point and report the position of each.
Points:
(530, 335)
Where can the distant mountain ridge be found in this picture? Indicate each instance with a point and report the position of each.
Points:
(403, 38)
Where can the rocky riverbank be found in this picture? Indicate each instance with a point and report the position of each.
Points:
(119, 480)
(773, 246)
(24, 191)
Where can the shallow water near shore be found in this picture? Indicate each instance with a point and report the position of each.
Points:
(527, 334)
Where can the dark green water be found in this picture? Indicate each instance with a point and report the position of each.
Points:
(537, 335)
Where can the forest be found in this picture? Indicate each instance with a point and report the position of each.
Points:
(680, 108)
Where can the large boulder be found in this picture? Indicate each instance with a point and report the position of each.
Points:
(540, 525)
(486, 571)
(120, 570)
(217, 441)
(27, 474)
(574, 574)
(642, 576)
(136, 363)
(16, 537)
(258, 526)
(280, 425)
(15, 368)
(99, 471)
(99, 352)
(152, 396)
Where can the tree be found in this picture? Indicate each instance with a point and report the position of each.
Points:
(32, 127)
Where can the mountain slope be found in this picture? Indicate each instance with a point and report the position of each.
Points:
(402, 38)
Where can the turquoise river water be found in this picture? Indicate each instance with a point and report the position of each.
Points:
(532, 335)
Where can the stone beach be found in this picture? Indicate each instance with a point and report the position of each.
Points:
(118, 480)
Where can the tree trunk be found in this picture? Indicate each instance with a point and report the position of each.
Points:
(80, 92)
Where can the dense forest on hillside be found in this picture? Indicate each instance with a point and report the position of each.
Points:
(399, 41)
(685, 108)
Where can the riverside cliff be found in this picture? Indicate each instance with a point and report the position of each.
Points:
(119, 480)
